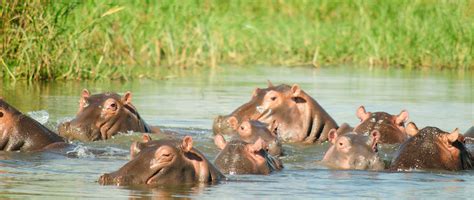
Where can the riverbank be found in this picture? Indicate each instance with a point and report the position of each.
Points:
(131, 39)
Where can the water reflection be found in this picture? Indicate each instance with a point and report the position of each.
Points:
(185, 191)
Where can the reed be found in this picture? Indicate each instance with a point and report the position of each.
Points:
(42, 39)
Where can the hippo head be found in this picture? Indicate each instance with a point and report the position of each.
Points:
(251, 130)
(101, 116)
(226, 125)
(240, 157)
(353, 151)
(391, 127)
(432, 148)
(19, 132)
(170, 162)
(294, 115)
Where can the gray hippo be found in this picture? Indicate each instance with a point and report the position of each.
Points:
(251, 130)
(164, 162)
(103, 115)
(391, 127)
(22, 133)
(353, 151)
(432, 149)
(240, 157)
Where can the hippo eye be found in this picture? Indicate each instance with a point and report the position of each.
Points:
(113, 105)
(340, 144)
(241, 128)
(1, 114)
(273, 98)
(166, 154)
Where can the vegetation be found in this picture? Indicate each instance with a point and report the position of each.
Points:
(75, 39)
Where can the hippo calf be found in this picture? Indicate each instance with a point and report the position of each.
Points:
(103, 115)
(240, 157)
(391, 127)
(251, 130)
(164, 162)
(22, 133)
(288, 110)
(432, 149)
(353, 151)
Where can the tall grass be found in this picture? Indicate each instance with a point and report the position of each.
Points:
(123, 39)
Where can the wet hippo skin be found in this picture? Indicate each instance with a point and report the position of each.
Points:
(289, 112)
(164, 162)
(240, 157)
(22, 133)
(251, 130)
(353, 151)
(391, 127)
(432, 149)
(103, 115)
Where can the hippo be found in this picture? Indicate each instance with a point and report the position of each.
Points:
(103, 115)
(351, 150)
(240, 157)
(22, 133)
(469, 132)
(391, 127)
(250, 130)
(164, 162)
(431, 149)
(290, 113)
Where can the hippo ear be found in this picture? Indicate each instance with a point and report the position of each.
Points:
(234, 123)
(332, 135)
(187, 144)
(374, 138)
(255, 92)
(85, 93)
(402, 117)
(361, 113)
(127, 98)
(219, 141)
(411, 129)
(296, 90)
(453, 136)
(270, 84)
(146, 138)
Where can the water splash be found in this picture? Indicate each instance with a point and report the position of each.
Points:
(42, 116)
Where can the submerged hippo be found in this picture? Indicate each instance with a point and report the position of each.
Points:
(431, 148)
(22, 133)
(289, 112)
(103, 115)
(164, 162)
(353, 151)
(469, 132)
(251, 130)
(391, 127)
(240, 157)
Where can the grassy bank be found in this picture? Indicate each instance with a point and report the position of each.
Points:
(123, 39)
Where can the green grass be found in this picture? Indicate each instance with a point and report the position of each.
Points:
(129, 39)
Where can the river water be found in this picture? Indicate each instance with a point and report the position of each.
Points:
(187, 103)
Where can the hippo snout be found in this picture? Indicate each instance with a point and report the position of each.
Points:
(105, 179)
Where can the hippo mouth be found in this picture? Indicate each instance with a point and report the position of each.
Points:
(160, 169)
(264, 113)
(155, 176)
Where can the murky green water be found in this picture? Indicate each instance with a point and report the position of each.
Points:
(188, 105)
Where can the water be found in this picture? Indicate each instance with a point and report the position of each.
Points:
(187, 104)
